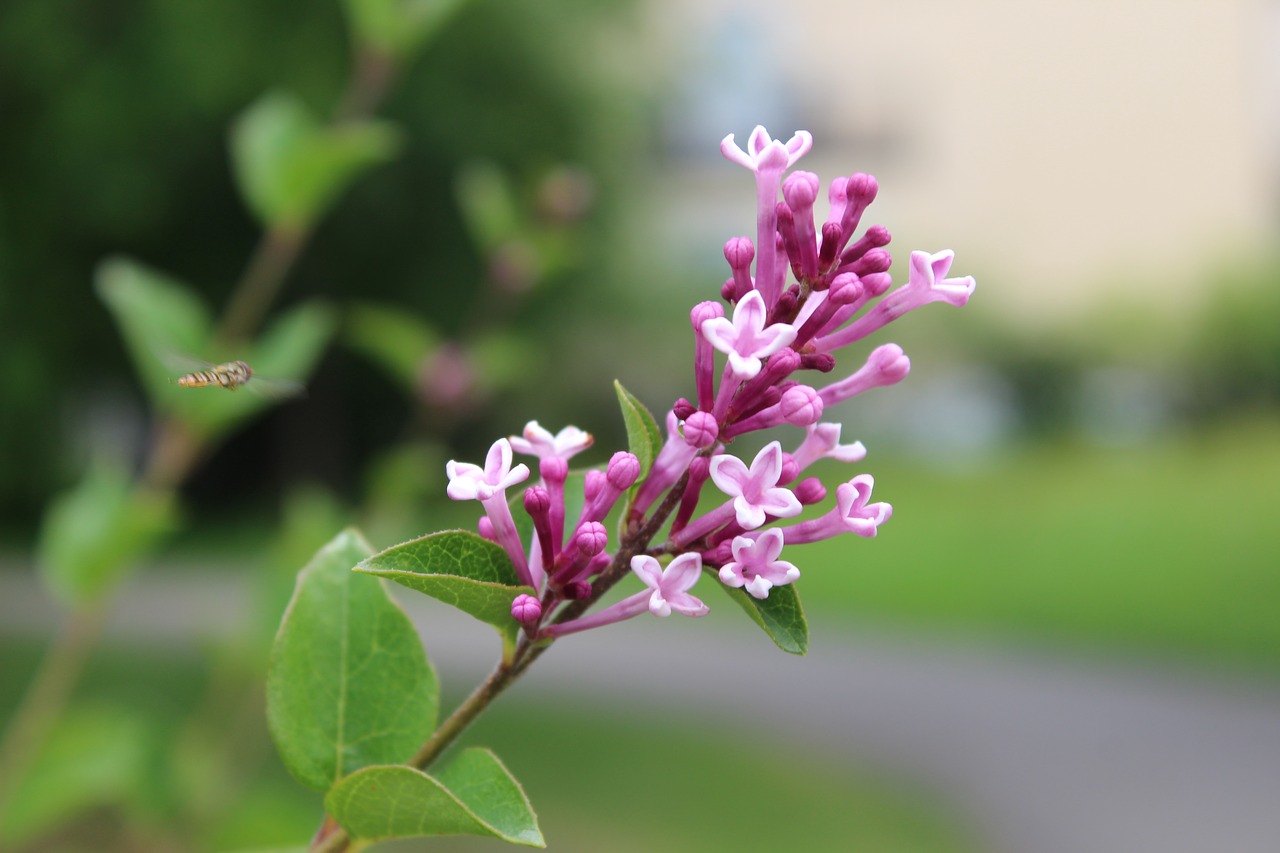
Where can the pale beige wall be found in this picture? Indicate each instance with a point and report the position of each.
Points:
(1065, 146)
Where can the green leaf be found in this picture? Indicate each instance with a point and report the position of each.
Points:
(167, 330)
(290, 167)
(93, 535)
(780, 615)
(397, 28)
(643, 436)
(459, 568)
(159, 318)
(396, 340)
(348, 685)
(474, 795)
(94, 756)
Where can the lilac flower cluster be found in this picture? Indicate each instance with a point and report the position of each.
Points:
(778, 337)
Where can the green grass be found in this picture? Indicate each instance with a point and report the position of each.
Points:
(1170, 547)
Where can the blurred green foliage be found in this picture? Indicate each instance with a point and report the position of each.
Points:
(116, 117)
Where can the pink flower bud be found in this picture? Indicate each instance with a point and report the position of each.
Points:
(577, 590)
(701, 430)
(526, 610)
(593, 484)
(790, 468)
(591, 539)
(554, 469)
(485, 528)
(801, 406)
(703, 312)
(622, 470)
(683, 409)
(810, 491)
(537, 500)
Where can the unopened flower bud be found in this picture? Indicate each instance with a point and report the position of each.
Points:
(823, 362)
(485, 528)
(801, 406)
(683, 409)
(593, 484)
(577, 590)
(537, 500)
(622, 470)
(701, 430)
(554, 469)
(790, 468)
(704, 311)
(830, 245)
(810, 491)
(526, 610)
(591, 538)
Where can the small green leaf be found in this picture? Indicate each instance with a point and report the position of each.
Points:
(291, 167)
(397, 28)
(488, 205)
(93, 535)
(643, 436)
(348, 685)
(474, 795)
(94, 756)
(459, 568)
(168, 332)
(397, 341)
(780, 615)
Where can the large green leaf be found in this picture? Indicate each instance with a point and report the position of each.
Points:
(474, 795)
(780, 615)
(643, 435)
(459, 568)
(349, 685)
(397, 28)
(93, 535)
(291, 167)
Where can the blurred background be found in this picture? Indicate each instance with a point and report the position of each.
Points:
(506, 206)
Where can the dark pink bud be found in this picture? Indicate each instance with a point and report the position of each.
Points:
(683, 409)
(701, 430)
(874, 261)
(622, 470)
(784, 310)
(719, 555)
(591, 539)
(800, 189)
(861, 189)
(810, 491)
(703, 312)
(729, 291)
(830, 245)
(537, 500)
(593, 484)
(485, 528)
(577, 590)
(739, 252)
(876, 236)
(526, 610)
(801, 406)
(554, 469)
(876, 283)
(823, 362)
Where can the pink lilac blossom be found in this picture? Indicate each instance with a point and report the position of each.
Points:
(776, 342)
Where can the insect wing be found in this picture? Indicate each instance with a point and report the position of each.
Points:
(276, 389)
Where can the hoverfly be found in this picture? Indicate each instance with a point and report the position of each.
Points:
(233, 375)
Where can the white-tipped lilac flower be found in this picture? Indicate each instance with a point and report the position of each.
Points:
(489, 486)
(927, 282)
(822, 441)
(766, 153)
(747, 340)
(541, 443)
(852, 514)
(756, 565)
(666, 591)
(755, 490)
(471, 482)
(768, 159)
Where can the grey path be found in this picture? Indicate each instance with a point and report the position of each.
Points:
(1041, 753)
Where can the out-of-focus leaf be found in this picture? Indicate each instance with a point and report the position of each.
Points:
(397, 28)
(93, 535)
(643, 437)
(780, 615)
(159, 317)
(394, 339)
(168, 331)
(94, 756)
(474, 795)
(349, 685)
(290, 167)
(459, 568)
(488, 205)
